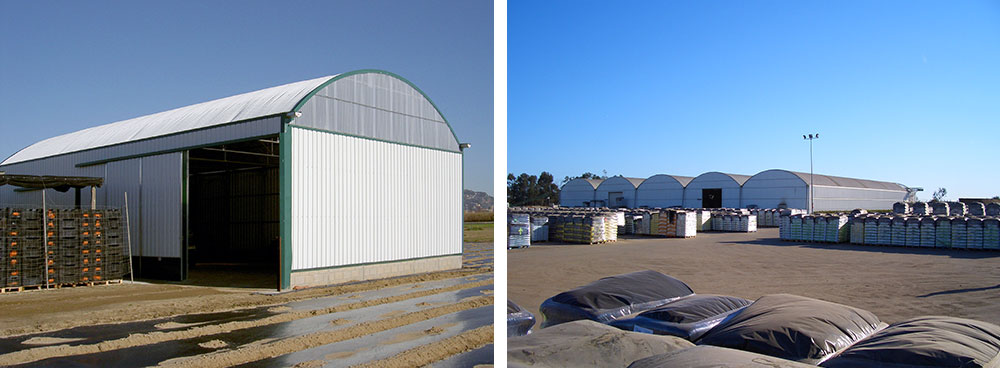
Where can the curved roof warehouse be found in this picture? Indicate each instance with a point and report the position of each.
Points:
(767, 189)
(353, 173)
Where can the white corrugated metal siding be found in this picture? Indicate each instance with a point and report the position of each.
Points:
(575, 192)
(123, 177)
(713, 180)
(770, 188)
(357, 200)
(615, 185)
(660, 191)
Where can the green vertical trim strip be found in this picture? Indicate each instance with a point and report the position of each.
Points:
(285, 172)
(184, 214)
(461, 205)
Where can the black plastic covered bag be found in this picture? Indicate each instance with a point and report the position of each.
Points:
(614, 297)
(705, 356)
(688, 317)
(793, 327)
(926, 342)
(519, 321)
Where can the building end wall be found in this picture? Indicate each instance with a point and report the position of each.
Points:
(344, 274)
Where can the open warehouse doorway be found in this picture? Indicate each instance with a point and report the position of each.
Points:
(233, 214)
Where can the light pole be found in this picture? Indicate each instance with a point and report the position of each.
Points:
(812, 189)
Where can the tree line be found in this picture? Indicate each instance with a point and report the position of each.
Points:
(541, 190)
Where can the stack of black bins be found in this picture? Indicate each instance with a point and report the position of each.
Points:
(67, 260)
(63, 246)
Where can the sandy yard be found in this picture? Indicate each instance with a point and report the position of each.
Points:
(894, 283)
(440, 318)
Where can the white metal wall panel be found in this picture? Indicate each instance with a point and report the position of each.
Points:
(575, 192)
(616, 184)
(843, 199)
(379, 106)
(161, 205)
(770, 188)
(358, 200)
(730, 189)
(659, 191)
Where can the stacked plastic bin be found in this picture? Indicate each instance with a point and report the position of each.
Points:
(518, 230)
(871, 230)
(857, 224)
(884, 231)
(795, 227)
(921, 208)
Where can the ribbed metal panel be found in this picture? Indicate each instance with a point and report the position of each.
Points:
(380, 106)
(577, 191)
(358, 201)
(843, 198)
(660, 191)
(615, 185)
(713, 180)
(770, 188)
(121, 177)
(161, 205)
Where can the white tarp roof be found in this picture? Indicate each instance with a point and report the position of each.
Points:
(257, 104)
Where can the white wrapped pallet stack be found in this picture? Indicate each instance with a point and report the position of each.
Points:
(913, 231)
(808, 223)
(927, 233)
(819, 228)
(898, 231)
(871, 230)
(687, 224)
(977, 209)
(901, 208)
(957, 209)
(884, 231)
(942, 232)
(993, 209)
(795, 227)
(837, 230)
(959, 233)
(939, 208)
(974, 228)
(991, 233)
(921, 208)
(857, 224)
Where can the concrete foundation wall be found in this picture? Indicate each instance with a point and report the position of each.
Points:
(374, 271)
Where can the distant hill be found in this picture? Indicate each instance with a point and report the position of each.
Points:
(478, 201)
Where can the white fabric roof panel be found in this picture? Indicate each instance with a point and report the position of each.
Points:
(271, 101)
(382, 106)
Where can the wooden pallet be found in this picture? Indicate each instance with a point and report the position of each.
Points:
(58, 286)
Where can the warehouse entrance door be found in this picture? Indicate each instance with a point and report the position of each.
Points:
(711, 198)
(233, 214)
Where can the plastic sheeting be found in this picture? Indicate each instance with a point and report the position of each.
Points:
(613, 297)
(927, 342)
(587, 344)
(519, 321)
(688, 317)
(793, 327)
(714, 357)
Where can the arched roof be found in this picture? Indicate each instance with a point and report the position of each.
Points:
(682, 180)
(839, 181)
(594, 183)
(739, 179)
(634, 181)
(274, 101)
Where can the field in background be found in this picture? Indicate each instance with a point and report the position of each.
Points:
(481, 216)
(478, 232)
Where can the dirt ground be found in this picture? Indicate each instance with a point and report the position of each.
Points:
(892, 282)
(224, 326)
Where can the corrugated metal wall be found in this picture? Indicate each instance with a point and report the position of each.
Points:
(378, 106)
(841, 198)
(161, 205)
(770, 188)
(659, 191)
(712, 180)
(613, 185)
(124, 177)
(575, 192)
(357, 200)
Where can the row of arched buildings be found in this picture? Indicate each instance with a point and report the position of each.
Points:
(767, 189)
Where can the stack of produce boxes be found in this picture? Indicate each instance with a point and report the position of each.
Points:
(913, 231)
(927, 232)
(898, 231)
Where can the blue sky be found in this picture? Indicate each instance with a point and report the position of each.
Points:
(68, 65)
(902, 91)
